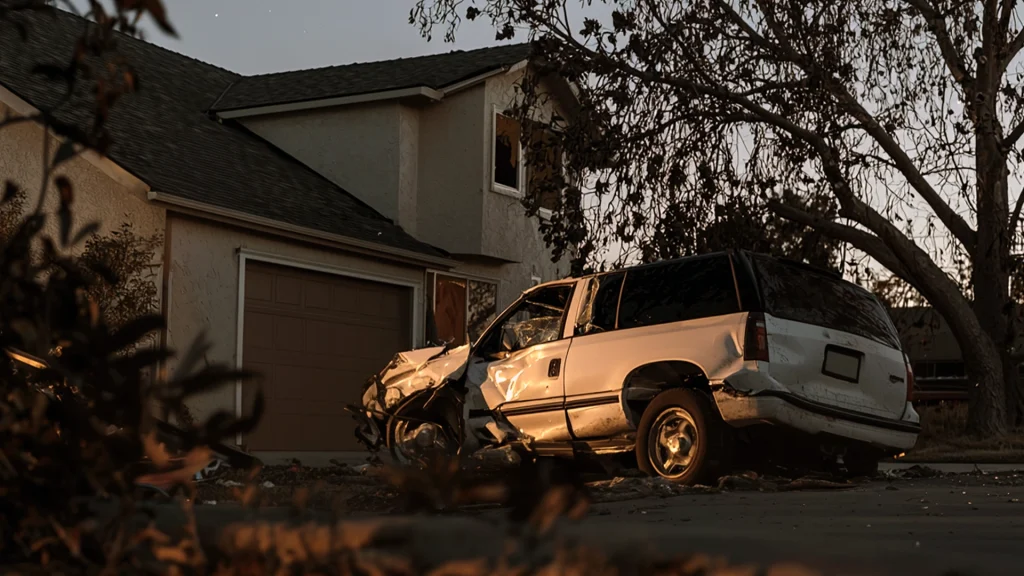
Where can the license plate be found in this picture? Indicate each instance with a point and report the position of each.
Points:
(842, 364)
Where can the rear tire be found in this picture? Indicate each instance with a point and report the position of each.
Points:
(861, 462)
(681, 438)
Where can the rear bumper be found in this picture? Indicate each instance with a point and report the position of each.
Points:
(786, 409)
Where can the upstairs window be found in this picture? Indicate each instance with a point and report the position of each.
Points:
(507, 155)
(546, 170)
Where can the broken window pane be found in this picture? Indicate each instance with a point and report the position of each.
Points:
(450, 309)
(506, 151)
(536, 320)
(546, 179)
(483, 306)
(605, 304)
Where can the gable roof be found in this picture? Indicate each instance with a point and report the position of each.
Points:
(435, 71)
(164, 135)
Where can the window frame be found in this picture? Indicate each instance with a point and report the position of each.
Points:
(593, 284)
(507, 312)
(676, 261)
(546, 213)
(431, 294)
(518, 193)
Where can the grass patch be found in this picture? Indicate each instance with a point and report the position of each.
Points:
(943, 439)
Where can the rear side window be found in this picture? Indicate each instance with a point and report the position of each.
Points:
(683, 290)
(795, 293)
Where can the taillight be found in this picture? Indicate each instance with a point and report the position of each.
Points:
(755, 341)
(910, 380)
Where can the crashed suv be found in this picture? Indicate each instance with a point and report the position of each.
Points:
(672, 362)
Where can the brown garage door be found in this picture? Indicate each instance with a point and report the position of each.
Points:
(315, 339)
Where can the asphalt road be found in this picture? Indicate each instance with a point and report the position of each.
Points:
(964, 525)
(921, 528)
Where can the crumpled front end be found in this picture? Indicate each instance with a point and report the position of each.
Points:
(411, 372)
(417, 371)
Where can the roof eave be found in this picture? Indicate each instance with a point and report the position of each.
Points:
(416, 92)
(210, 211)
(424, 93)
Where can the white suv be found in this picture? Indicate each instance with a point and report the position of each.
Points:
(669, 361)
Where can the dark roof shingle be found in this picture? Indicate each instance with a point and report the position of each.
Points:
(435, 71)
(164, 135)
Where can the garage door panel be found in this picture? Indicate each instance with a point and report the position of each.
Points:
(259, 330)
(327, 335)
(317, 295)
(259, 286)
(287, 290)
(289, 333)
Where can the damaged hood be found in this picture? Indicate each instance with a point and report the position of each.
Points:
(413, 371)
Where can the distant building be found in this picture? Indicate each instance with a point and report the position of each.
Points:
(939, 370)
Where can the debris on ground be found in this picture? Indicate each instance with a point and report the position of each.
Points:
(913, 473)
(752, 481)
(621, 488)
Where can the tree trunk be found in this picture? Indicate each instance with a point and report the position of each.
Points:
(986, 416)
(990, 260)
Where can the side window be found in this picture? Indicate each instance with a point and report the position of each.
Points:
(694, 288)
(537, 319)
(598, 313)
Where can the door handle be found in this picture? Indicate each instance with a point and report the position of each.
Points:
(555, 368)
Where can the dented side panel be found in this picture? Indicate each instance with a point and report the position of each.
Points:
(797, 352)
(600, 363)
(529, 389)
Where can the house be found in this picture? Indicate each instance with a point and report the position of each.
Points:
(314, 222)
(939, 369)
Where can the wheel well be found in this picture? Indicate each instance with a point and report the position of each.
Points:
(647, 381)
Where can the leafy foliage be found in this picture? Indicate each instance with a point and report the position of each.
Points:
(129, 257)
(76, 426)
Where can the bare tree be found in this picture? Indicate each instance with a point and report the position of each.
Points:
(906, 113)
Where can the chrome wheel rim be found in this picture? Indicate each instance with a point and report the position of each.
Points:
(415, 440)
(672, 442)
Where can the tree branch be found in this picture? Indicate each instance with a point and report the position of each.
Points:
(1015, 219)
(956, 224)
(864, 241)
(954, 60)
(1011, 139)
(1014, 48)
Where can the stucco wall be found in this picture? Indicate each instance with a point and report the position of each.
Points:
(357, 147)
(507, 232)
(97, 197)
(204, 286)
(451, 165)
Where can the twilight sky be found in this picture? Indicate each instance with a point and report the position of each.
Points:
(259, 36)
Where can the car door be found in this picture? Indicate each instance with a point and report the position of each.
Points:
(519, 362)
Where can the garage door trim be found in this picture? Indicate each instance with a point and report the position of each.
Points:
(245, 255)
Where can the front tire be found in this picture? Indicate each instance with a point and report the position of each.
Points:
(416, 434)
(681, 438)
